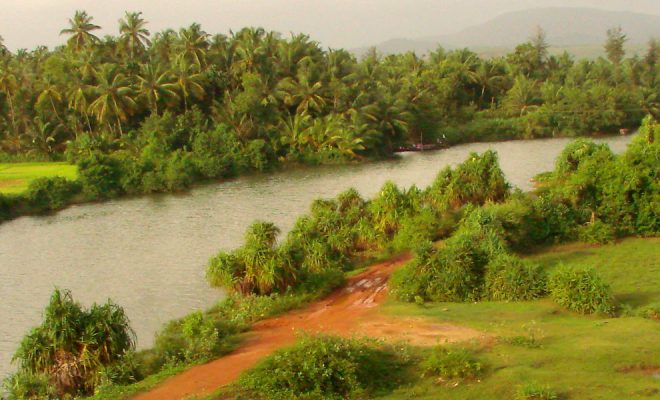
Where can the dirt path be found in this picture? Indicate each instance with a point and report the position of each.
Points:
(351, 310)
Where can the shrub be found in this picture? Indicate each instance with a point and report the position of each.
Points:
(596, 232)
(651, 311)
(100, 176)
(576, 152)
(193, 338)
(124, 372)
(534, 391)
(201, 336)
(48, 194)
(9, 205)
(72, 344)
(215, 151)
(416, 228)
(411, 282)
(477, 180)
(580, 290)
(26, 385)
(509, 278)
(323, 367)
(452, 364)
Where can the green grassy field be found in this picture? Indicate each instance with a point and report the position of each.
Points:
(579, 357)
(15, 178)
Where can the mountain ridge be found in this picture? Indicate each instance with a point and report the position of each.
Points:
(565, 28)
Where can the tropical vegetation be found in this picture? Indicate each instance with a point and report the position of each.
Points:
(141, 112)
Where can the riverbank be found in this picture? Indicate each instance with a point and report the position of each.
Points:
(519, 343)
(155, 272)
(16, 180)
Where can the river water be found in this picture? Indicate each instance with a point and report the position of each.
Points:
(148, 254)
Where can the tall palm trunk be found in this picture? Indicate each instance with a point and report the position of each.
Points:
(12, 112)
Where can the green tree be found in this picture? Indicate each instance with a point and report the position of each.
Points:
(156, 86)
(114, 97)
(189, 80)
(614, 45)
(134, 36)
(80, 30)
(72, 344)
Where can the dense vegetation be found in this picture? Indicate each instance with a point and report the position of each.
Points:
(67, 354)
(471, 206)
(592, 195)
(324, 367)
(140, 113)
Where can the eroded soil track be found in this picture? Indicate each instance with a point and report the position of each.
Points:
(349, 311)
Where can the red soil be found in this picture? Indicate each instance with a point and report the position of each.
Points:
(349, 311)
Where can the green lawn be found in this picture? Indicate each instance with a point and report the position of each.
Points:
(15, 178)
(580, 357)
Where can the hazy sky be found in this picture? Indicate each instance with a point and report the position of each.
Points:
(335, 23)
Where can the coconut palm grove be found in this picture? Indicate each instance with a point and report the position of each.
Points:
(468, 288)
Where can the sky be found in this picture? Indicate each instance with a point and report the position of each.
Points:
(334, 23)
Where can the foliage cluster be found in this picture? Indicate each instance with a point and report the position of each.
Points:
(142, 113)
(581, 290)
(324, 367)
(592, 195)
(42, 195)
(70, 347)
(336, 231)
(452, 364)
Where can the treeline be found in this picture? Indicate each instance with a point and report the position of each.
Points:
(592, 195)
(159, 112)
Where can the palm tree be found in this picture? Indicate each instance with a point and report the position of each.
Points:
(43, 136)
(3, 49)
(8, 86)
(78, 96)
(487, 77)
(114, 97)
(189, 80)
(50, 95)
(523, 96)
(249, 49)
(302, 93)
(193, 44)
(293, 129)
(80, 31)
(133, 34)
(156, 86)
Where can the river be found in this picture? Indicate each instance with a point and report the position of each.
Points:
(149, 254)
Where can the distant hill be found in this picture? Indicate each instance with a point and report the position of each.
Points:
(581, 31)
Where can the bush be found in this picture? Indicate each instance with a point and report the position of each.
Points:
(651, 311)
(581, 290)
(509, 278)
(8, 206)
(477, 180)
(194, 338)
(596, 232)
(577, 152)
(417, 228)
(72, 344)
(534, 391)
(26, 385)
(452, 364)
(48, 194)
(324, 367)
(100, 176)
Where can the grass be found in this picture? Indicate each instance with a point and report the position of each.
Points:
(575, 356)
(16, 177)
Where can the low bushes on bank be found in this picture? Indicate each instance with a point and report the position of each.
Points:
(324, 367)
(581, 290)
